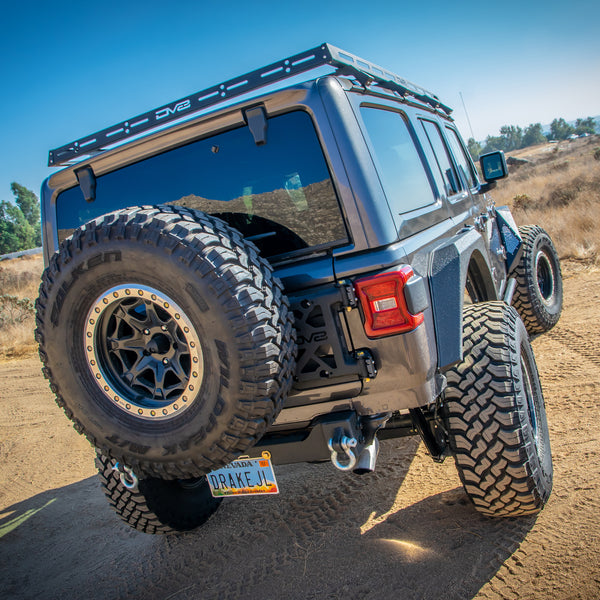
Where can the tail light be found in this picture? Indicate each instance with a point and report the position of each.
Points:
(384, 303)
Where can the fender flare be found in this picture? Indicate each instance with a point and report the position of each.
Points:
(450, 263)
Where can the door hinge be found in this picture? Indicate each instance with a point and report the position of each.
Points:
(349, 299)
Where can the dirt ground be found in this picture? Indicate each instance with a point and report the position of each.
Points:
(406, 531)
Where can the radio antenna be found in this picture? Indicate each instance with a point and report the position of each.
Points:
(466, 113)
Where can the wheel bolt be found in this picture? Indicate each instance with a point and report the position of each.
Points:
(163, 327)
(165, 361)
(146, 332)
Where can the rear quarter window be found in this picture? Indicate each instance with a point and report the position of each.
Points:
(401, 171)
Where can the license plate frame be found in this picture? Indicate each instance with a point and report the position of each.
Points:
(244, 476)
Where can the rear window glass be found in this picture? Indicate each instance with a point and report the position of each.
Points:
(279, 195)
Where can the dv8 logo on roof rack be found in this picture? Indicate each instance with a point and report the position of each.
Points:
(179, 107)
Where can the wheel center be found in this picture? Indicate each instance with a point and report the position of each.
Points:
(159, 344)
(545, 278)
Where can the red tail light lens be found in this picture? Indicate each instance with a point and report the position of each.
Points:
(384, 304)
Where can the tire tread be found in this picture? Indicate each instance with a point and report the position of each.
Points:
(486, 435)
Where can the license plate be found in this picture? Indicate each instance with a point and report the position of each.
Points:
(244, 476)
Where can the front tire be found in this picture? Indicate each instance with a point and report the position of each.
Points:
(538, 296)
(495, 415)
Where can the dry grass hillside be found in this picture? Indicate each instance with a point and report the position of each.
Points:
(558, 188)
(19, 283)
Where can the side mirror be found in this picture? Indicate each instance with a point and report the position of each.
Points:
(493, 166)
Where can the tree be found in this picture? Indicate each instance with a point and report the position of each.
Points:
(20, 227)
(510, 138)
(513, 136)
(493, 143)
(28, 202)
(533, 135)
(560, 129)
(474, 148)
(585, 126)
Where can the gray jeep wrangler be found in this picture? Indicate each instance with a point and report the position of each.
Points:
(291, 277)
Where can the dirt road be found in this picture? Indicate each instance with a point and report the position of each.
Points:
(406, 531)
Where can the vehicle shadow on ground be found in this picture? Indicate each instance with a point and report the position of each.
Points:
(329, 535)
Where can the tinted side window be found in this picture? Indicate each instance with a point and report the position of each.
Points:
(279, 195)
(464, 164)
(444, 163)
(400, 168)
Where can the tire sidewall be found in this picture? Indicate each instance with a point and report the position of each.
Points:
(539, 455)
(538, 314)
(551, 310)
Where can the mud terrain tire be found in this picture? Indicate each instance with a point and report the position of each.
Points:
(157, 505)
(166, 339)
(495, 416)
(538, 296)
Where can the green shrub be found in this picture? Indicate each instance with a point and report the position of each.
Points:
(522, 201)
(15, 310)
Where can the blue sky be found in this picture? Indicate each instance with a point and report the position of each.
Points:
(69, 68)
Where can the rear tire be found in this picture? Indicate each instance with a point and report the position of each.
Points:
(495, 416)
(538, 296)
(157, 505)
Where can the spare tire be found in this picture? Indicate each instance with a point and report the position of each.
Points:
(166, 339)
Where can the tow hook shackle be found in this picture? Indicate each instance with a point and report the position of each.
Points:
(342, 449)
(127, 476)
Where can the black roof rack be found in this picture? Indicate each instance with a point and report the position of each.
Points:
(324, 55)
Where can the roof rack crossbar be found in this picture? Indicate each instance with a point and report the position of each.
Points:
(323, 55)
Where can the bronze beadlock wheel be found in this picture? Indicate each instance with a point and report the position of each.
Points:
(545, 277)
(143, 351)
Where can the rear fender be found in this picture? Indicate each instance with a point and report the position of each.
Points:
(448, 271)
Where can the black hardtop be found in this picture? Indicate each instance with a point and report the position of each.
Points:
(343, 63)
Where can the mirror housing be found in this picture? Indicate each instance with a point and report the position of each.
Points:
(493, 166)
